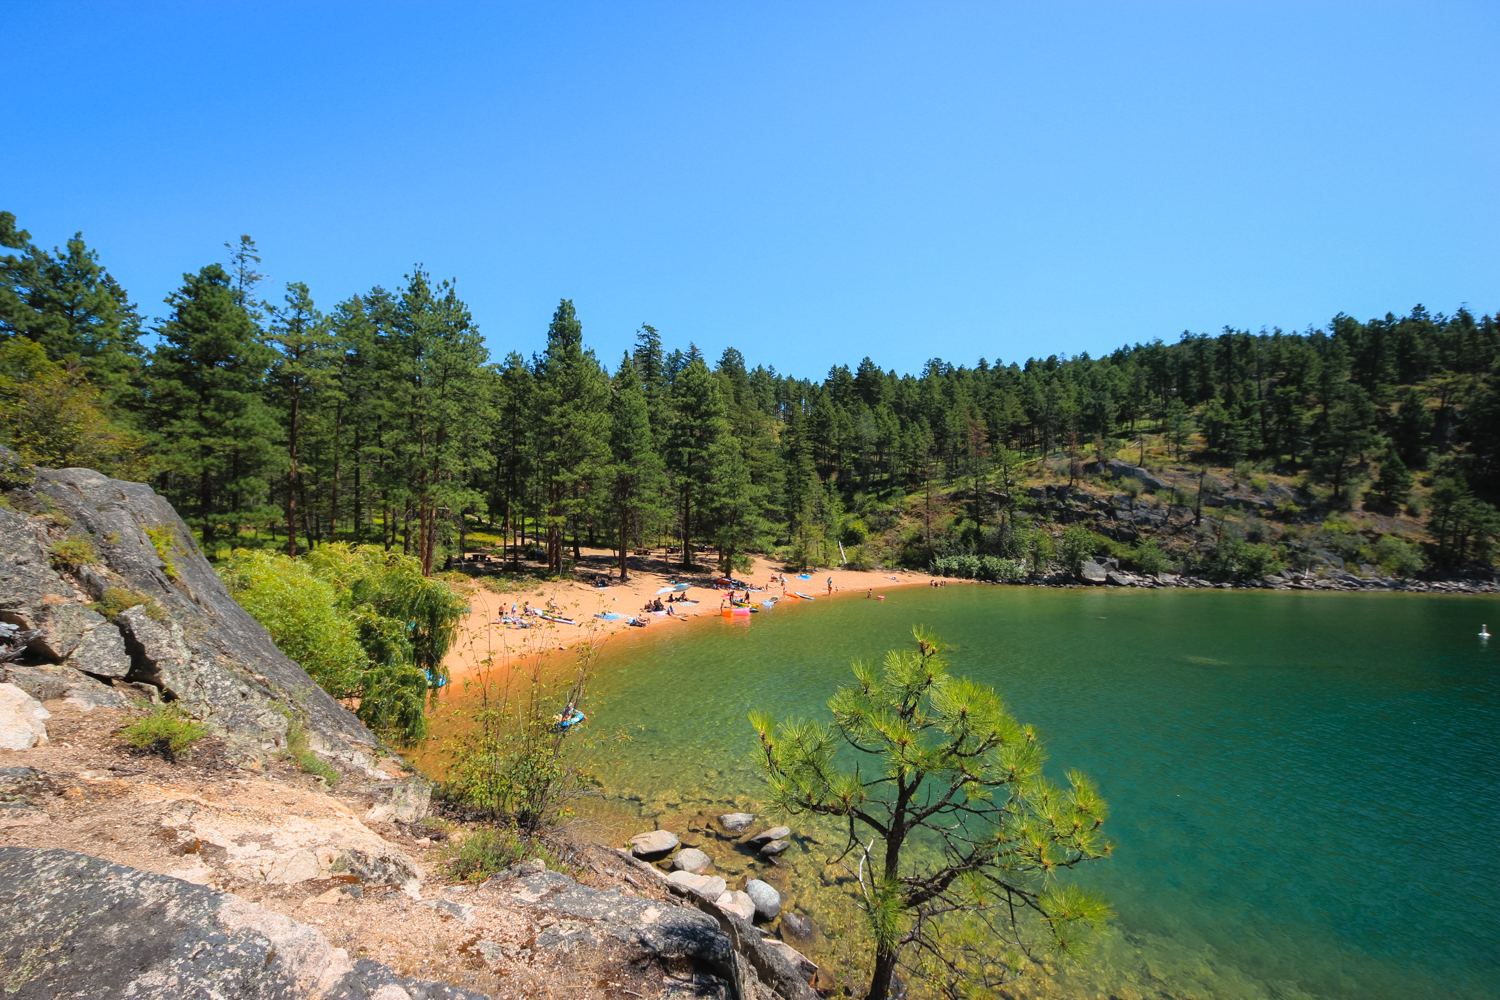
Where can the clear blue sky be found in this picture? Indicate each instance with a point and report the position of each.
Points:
(808, 182)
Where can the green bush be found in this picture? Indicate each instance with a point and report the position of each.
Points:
(166, 730)
(483, 853)
(1078, 544)
(364, 623)
(860, 560)
(991, 569)
(1399, 558)
(72, 552)
(1148, 557)
(302, 614)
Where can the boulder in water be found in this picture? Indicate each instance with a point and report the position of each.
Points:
(710, 887)
(774, 848)
(774, 833)
(657, 842)
(690, 859)
(767, 900)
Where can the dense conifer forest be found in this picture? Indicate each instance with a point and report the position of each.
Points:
(268, 419)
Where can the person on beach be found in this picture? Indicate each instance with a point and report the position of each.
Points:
(870, 593)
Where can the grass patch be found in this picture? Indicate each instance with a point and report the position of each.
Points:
(162, 540)
(72, 552)
(166, 731)
(300, 753)
(119, 599)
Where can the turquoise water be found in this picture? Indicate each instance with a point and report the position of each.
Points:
(1304, 787)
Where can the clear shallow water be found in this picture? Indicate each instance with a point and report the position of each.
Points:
(1304, 787)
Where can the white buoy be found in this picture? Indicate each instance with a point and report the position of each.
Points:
(1484, 631)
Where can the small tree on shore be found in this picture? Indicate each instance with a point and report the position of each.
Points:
(974, 838)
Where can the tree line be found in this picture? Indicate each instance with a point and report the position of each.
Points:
(385, 419)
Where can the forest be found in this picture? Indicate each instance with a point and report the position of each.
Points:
(268, 420)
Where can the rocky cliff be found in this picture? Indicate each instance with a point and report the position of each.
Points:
(106, 588)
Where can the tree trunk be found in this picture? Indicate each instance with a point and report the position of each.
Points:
(291, 480)
(624, 544)
(885, 971)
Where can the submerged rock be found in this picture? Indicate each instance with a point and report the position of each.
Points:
(796, 925)
(736, 822)
(774, 848)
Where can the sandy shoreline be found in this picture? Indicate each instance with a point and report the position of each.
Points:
(482, 639)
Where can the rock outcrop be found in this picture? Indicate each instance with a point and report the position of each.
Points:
(80, 926)
(72, 538)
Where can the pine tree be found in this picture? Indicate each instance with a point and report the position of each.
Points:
(216, 437)
(299, 371)
(698, 425)
(637, 476)
(572, 414)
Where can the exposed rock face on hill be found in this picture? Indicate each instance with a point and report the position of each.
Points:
(187, 639)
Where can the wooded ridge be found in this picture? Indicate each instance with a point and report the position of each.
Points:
(385, 419)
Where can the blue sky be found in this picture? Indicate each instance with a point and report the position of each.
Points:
(810, 183)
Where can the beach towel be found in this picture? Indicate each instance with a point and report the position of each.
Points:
(608, 616)
(804, 576)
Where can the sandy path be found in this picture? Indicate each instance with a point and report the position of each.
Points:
(481, 640)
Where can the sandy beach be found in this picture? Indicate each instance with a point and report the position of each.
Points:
(483, 638)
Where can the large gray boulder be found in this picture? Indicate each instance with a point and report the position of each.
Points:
(590, 918)
(187, 637)
(653, 844)
(1120, 469)
(1092, 572)
(765, 897)
(78, 926)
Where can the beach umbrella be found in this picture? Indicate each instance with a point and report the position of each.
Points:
(682, 586)
(665, 590)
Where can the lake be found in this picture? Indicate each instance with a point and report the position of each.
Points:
(1303, 787)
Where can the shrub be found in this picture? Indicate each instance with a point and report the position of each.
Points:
(166, 731)
(1148, 557)
(991, 569)
(1399, 558)
(860, 560)
(511, 762)
(72, 552)
(484, 852)
(1078, 544)
(363, 622)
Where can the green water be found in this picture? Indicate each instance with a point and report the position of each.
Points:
(1304, 787)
